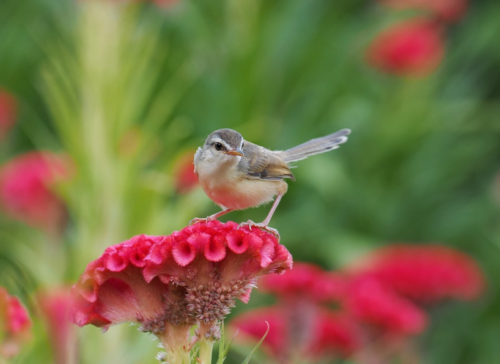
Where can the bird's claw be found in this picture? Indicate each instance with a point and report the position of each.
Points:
(262, 226)
(201, 219)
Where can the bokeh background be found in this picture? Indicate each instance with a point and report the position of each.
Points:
(127, 91)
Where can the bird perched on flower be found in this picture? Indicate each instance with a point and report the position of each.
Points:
(237, 174)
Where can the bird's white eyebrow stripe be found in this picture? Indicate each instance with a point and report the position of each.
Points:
(219, 140)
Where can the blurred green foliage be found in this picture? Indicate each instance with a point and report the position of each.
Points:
(125, 90)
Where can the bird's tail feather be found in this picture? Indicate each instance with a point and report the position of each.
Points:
(316, 146)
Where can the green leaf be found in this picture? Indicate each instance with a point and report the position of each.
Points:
(247, 360)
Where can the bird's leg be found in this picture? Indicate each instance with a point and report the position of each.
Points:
(264, 224)
(211, 217)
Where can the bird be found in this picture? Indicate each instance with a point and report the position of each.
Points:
(237, 174)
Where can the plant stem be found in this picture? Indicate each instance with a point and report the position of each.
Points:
(205, 355)
(175, 343)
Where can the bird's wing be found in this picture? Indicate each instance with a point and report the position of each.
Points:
(260, 163)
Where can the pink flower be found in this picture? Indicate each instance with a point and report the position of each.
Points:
(306, 280)
(8, 111)
(448, 10)
(25, 189)
(425, 273)
(184, 176)
(328, 334)
(371, 302)
(413, 48)
(300, 327)
(167, 284)
(15, 325)
(54, 308)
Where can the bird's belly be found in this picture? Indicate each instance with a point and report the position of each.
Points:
(244, 193)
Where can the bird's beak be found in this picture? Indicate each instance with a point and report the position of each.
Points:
(236, 151)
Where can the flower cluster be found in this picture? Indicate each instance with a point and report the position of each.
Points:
(8, 110)
(325, 334)
(15, 325)
(168, 284)
(380, 303)
(26, 189)
(299, 325)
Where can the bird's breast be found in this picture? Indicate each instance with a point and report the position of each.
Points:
(228, 188)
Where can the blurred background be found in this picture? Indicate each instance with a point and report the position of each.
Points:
(103, 103)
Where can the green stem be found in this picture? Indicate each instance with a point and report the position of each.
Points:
(175, 344)
(205, 355)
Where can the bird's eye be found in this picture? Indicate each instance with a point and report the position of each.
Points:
(218, 146)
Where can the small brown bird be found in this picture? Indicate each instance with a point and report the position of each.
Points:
(237, 174)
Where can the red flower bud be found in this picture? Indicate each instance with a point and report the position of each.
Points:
(15, 325)
(25, 189)
(413, 48)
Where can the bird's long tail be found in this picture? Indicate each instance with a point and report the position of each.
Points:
(316, 146)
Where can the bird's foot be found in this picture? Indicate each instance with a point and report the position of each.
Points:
(201, 219)
(262, 226)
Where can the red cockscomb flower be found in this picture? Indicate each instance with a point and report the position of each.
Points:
(371, 302)
(8, 111)
(327, 335)
(15, 325)
(54, 309)
(184, 176)
(25, 189)
(425, 273)
(167, 284)
(448, 10)
(306, 280)
(412, 48)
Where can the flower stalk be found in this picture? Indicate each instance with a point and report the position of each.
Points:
(205, 353)
(175, 354)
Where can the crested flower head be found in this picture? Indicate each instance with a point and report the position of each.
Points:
(425, 273)
(447, 10)
(25, 189)
(15, 325)
(413, 48)
(8, 110)
(167, 284)
(306, 280)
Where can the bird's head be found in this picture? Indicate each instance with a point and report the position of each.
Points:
(225, 145)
